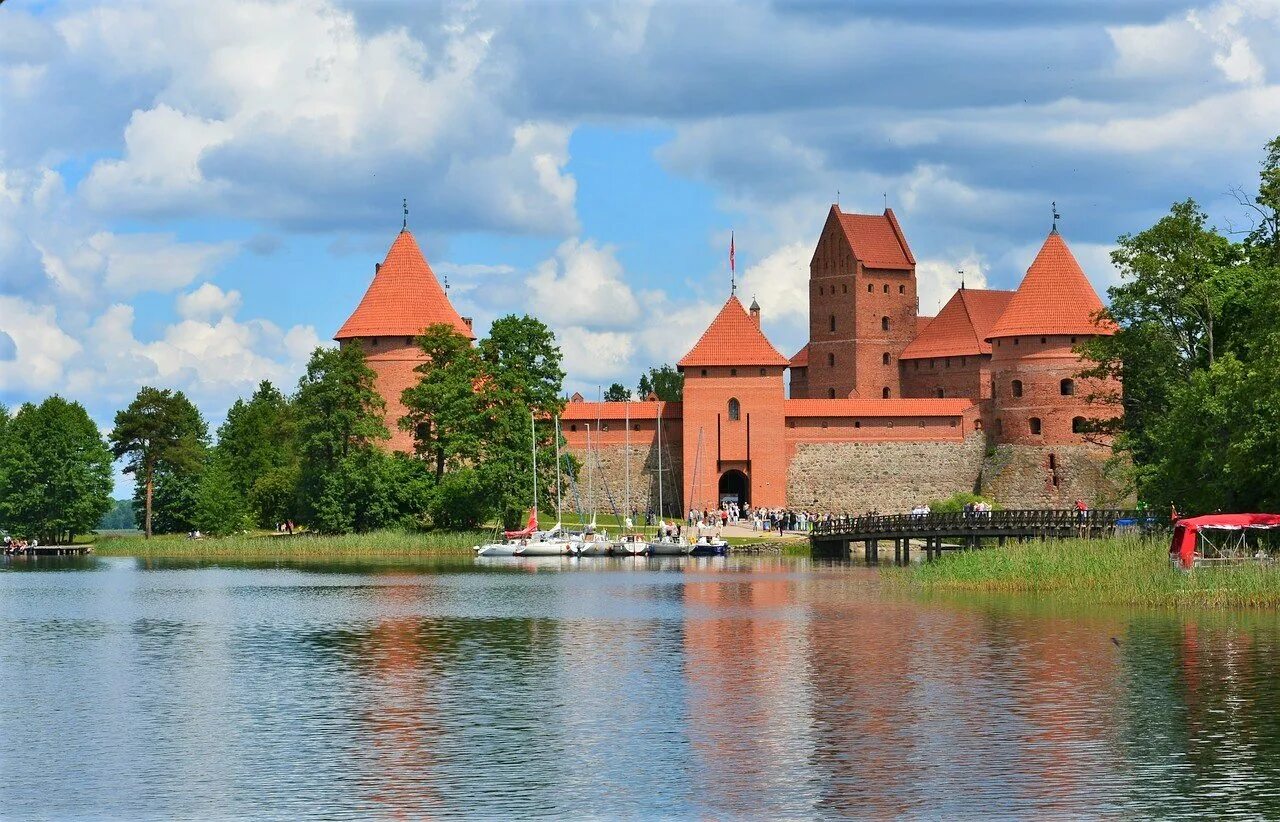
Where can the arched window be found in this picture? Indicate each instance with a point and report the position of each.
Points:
(870, 287)
(1077, 425)
(902, 289)
(999, 426)
(831, 393)
(884, 323)
(884, 358)
(833, 322)
(857, 423)
(1035, 425)
(886, 288)
(941, 393)
(1067, 387)
(831, 360)
(977, 425)
(1017, 388)
(885, 392)
(735, 409)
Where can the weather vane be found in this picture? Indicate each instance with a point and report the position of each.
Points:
(960, 271)
(404, 225)
(1056, 216)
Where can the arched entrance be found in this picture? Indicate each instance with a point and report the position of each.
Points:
(734, 487)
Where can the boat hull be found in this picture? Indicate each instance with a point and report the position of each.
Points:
(497, 550)
(544, 549)
(667, 549)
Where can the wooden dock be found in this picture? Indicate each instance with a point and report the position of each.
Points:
(935, 533)
(54, 551)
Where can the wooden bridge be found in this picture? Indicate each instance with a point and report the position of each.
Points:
(960, 531)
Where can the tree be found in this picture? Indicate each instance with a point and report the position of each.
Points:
(445, 410)
(258, 449)
(617, 393)
(56, 480)
(121, 516)
(160, 432)
(459, 500)
(665, 381)
(220, 507)
(339, 419)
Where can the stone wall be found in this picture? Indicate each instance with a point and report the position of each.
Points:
(609, 482)
(889, 477)
(1031, 476)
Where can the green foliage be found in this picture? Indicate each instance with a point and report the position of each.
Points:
(459, 501)
(55, 471)
(120, 517)
(617, 393)
(446, 413)
(163, 439)
(955, 503)
(665, 381)
(339, 419)
(1198, 351)
(258, 446)
(220, 507)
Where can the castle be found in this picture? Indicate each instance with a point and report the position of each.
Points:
(887, 408)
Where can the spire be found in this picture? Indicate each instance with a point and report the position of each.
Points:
(960, 271)
(404, 224)
(1056, 215)
(1055, 297)
(733, 276)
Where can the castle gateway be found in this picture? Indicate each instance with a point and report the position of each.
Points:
(887, 408)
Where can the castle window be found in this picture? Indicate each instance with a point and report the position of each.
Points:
(886, 288)
(884, 323)
(948, 362)
(870, 288)
(735, 409)
(1073, 340)
(704, 372)
(922, 423)
(1053, 462)
(819, 291)
(902, 289)
(932, 364)
(997, 343)
(884, 358)
(824, 423)
(604, 426)
(573, 427)
(635, 427)
(1042, 340)
(889, 424)
(833, 322)
(831, 393)
(831, 360)
(844, 288)
(999, 426)
(857, 423)
(375, 342)
(1067, 388)
(763, 372)
(1016, 340)
(1035, 425)
(885, 393)
(408, 340)
(941, 393)
(977, 425)
(733, 372)
(1077, 425)
(1017, 388)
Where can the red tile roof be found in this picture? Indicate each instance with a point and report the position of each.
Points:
(801, 358)
(588, 411)
(961, 326)
(922, 322)
(877, 239)
(878, 408)
(404, 298)
(733, 338)
(1054, 298)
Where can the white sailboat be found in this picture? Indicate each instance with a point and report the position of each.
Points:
(664, 544)
(630, 543)
(543, 543)
(520, 543)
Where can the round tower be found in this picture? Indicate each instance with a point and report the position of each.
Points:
(404, 298)
(1038, 397)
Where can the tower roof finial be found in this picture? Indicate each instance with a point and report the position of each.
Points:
(960, 271)
(1056, 216)
(404, 224)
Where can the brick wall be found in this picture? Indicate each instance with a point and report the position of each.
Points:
(832, 294)
(890, 477)
(1040, 364)
(968, 376)
(393, 360)
(1039, 476)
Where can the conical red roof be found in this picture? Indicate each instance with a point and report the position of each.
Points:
(404, 298)
(733, 338)
(961, 327)
(1054, 298)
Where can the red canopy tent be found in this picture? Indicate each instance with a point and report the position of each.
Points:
(1186, 532)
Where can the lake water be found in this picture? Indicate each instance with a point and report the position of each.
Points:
(687, 688)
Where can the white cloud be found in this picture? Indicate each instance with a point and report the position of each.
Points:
(583, 285)
(938, 278)
(596, 355)
(43, 352)
(207, 301)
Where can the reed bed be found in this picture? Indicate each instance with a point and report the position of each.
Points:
(1121, 571)
(298, 546)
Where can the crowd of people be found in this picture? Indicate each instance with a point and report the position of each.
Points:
(13, 547)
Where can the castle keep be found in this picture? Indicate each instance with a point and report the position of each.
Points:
(886, 409)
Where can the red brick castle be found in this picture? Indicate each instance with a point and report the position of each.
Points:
(886, 409)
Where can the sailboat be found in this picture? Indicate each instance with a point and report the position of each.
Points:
(544, 543)
(519, 543)
(630, 543)
(663, 544)
(708, 543)
(592, 543)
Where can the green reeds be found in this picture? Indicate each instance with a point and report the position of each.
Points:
(298, 546)
(1120, 571)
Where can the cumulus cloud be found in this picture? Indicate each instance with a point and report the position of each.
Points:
(208, 301)
(938, 279)
(583, 283)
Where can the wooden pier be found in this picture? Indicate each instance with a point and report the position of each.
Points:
(53, 551)
(935, 533)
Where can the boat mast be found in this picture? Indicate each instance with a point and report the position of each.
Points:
(558, 520)
(533, 435)
(591, 494)
(626, 512)
(659, 460)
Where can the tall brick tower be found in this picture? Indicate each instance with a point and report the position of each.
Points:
(862, 307)
(404, 298)
(734, 403)
(1038, 397)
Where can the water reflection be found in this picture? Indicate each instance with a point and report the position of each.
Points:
(636, 687)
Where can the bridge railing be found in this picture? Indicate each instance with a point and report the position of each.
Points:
(1016, 520)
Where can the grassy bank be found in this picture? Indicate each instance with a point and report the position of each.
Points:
(1124, 571)
(301, 546)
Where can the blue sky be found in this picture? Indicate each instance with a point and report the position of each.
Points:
(194, 195)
